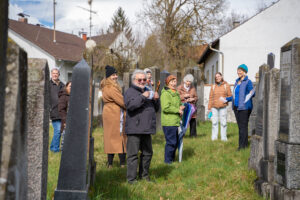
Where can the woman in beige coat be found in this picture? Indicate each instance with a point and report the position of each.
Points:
(188, 94)
(113, 117)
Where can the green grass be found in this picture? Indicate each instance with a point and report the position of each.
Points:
(209, 170)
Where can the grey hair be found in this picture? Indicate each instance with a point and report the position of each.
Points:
(147, 70)
(55, 68)
(188, 77)
(137, 71)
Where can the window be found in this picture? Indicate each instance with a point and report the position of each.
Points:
(69, 76)
(217, 66)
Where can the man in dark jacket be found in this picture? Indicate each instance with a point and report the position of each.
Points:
(55, 86)
(141, 106)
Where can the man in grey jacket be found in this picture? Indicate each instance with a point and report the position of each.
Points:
(55, 86)
(140, 123)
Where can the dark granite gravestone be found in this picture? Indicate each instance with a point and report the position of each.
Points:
(3, 46)
(163, 75)
(72, 179)
(14, 151)
(271, 60)
(38, 127)
(155, 75)
(287, 157)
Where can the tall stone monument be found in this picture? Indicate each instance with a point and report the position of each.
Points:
(14, 140)
(72, 179)
(257, 138)
(38, 127)
(3, 46)
(287, 155)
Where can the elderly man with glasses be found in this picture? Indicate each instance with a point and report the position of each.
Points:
(141, 106)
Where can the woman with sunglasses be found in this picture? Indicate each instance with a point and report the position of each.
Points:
(171, 110)
(113, 117)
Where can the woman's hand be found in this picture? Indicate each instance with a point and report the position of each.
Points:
(181, 108)
(186, 95)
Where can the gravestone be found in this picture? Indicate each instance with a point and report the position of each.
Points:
(72, 179)
(163, 75)
(252, 118)
(14, 151)
(38, 127)
(256, 148)
(271, 106)
(178, 76)
(271, 60)
(3, 46)
(155, 75)
(287, 157)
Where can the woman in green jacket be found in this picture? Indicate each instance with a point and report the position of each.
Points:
(171, 109)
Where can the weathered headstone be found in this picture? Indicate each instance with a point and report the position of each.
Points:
(14, 151)
(271, 60)
(178, 76)
(287, 158)
(270, 121)
(256, 154)
(38, 127)
(163, 75)
(252, 118)
(155, 75)
(72, 179)
(3, 46)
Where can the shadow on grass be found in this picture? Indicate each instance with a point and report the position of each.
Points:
(158, 139)
(187, 153)
(161, 171)
(112, 184)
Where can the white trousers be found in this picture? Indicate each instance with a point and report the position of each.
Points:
(219, 113)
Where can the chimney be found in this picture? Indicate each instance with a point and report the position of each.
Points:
(236, 24)
(23, 19)
(84, 36)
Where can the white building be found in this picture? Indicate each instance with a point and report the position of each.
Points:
(252, 41)
(38, 42)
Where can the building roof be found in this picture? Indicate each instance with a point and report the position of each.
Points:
(67, 47)
(216, 41)
(106, 39)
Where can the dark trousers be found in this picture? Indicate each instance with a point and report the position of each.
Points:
(171, 136)
(242, 118)
(193, 130)
(135, 143)
(122, 157)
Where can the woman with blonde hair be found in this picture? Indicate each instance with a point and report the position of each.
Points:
(113, 117)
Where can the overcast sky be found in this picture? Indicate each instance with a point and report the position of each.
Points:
(72, 19)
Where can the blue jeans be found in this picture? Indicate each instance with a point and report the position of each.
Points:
(171, 136)
(56, 135)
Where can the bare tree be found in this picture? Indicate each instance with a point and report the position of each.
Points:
(181, 24)
(230, 21)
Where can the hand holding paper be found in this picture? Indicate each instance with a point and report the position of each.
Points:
(250, 95)
(223, 99)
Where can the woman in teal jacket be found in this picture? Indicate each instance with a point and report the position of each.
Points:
(171, 109)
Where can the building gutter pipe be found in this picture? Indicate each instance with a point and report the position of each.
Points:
(222, 54)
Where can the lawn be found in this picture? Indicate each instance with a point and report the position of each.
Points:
(209, 170)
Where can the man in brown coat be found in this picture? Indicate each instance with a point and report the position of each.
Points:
(188, 94)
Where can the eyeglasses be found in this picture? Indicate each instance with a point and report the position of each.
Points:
(140, 80)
